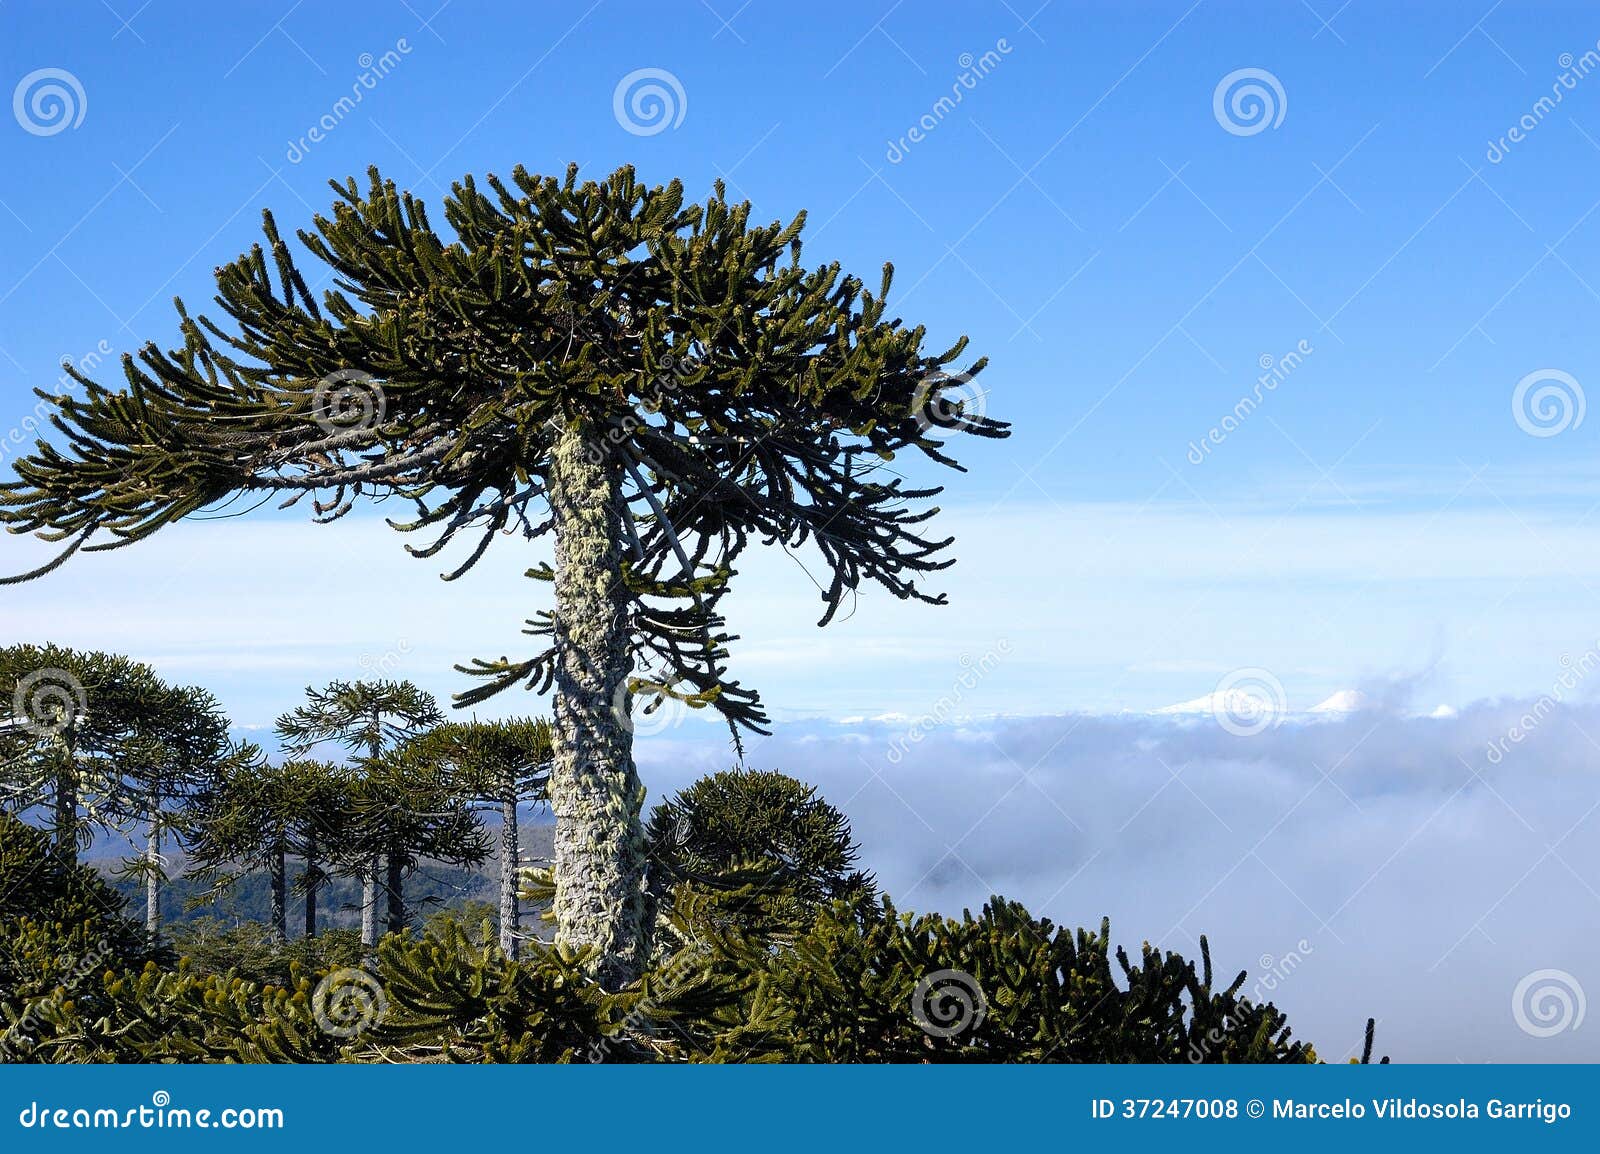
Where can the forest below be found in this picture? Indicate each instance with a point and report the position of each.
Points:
(770, 942)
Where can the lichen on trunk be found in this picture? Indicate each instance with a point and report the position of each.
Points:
(369, 903)
(594, 788)
(510, 860)
(153, 871)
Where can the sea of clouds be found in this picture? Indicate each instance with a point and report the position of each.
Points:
(1412, 869)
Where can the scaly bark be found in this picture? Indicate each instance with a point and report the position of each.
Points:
(152, 872)
(278, 917)
(369, 903)
(311, 884)
(595, 792)
(510, 859)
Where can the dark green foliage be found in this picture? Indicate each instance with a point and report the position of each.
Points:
(365, 717)
(253, 819)
(406, 810)
(394, 808)
(450, 999)
(757, 964)
(489, 761)
(100, 740)
(857, 985)
(733, 393)
(157, 1015)
(61, 926)
(755, 820)
(499, 764)
(249, 950)
(876, 985)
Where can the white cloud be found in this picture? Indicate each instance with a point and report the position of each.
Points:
(1426, 879)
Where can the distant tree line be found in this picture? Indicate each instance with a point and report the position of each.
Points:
(95, 743)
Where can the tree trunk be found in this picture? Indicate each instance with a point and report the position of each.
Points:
(66, 815)
(594, 789)
(152, 872)
(278, 919)
(311, 884)
(397, 895)
(369, 904)
(510, 860)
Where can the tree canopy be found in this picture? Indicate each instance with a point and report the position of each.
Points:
(742, 395)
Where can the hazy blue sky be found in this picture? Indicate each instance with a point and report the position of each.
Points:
(1124, 259)
(1401, 239)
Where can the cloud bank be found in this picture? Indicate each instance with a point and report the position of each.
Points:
(1393, 864)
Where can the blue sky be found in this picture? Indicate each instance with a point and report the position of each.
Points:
(1124, 258)
(1407, 511)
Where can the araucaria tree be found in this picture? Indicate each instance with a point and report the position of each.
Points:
(653, 383)
(253, 818)
(498, 763)
(101, 743)
(367, 718)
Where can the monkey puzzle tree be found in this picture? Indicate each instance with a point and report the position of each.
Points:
(103, 743)
(366, 718)
(322, 828)
(502, 763)
(247, 819)
(653, 383)
(730, 819)
(405, 809)
(257, 817)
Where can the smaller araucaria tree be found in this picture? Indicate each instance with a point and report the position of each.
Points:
(100, 743)
(256, 817)
(405, 810)
(502, 764)
(365, 718)
(756, 823)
